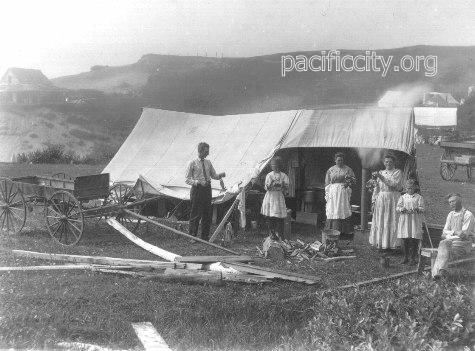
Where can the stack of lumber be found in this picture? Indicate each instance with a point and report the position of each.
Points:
(191, 269)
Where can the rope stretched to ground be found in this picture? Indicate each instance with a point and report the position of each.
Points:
(371, 281)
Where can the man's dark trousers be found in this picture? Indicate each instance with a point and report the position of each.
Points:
(201, 208)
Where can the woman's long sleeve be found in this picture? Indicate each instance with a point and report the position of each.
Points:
(327, 178)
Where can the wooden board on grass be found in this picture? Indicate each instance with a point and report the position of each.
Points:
(68, 267)
(210, 259)
(97, 260)
(274, 273)
(149, 337)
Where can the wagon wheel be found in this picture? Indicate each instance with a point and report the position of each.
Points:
(123, 194)
(12, 207)
(64, 218)
(447, 170)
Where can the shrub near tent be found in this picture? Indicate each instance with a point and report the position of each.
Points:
(56, 153)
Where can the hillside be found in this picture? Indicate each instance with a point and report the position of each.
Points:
(254, 84)
(81, 129)
(114, 96)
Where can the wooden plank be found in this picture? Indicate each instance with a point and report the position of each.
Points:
(187, 276)
(179, 232)
(274, 273)
(246, 278)
(51, 268)
(113, 261)
(210, 259)
(223, 221)
(169, 256)
(113, 270)
(149, 337)
(338, 258)
(80, 346)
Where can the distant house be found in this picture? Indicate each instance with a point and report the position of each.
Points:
(21, 86)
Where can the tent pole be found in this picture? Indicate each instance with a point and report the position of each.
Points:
(364, 195)
(146, 219)
(223, 221)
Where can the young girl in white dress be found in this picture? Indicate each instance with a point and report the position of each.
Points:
(411, 215)
(273, 205)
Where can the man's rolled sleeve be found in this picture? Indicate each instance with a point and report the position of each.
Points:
(212, 172)
(446, 231)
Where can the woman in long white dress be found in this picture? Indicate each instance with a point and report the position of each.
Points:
(337, 196)
(383, 234)
(273, 204)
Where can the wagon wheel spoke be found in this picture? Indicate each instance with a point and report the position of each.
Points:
(52, 224)
(16, 216)
(55, 217)
(3, 215)
(58, 210)
(53, 234)
(76, 228)
(15, 204)
(14, 221)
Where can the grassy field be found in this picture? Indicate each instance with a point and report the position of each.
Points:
(37, 310)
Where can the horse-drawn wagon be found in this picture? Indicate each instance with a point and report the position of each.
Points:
(67, 203)
(457, 154)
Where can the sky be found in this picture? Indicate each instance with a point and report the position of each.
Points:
(68, 37)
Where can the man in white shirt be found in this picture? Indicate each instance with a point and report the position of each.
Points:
(199, 174)
(458, 235)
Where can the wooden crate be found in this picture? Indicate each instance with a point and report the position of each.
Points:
(91, 187)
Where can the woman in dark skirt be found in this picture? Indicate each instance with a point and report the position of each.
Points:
(338, 181)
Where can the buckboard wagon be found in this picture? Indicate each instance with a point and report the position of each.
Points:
(457, 155)
(67, 203)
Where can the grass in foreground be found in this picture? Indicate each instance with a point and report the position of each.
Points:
(411, 314)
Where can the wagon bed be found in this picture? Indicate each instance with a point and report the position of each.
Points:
(457, 154)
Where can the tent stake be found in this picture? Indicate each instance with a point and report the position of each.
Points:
(179, 232)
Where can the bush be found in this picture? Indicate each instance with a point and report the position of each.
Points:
(412, 315)
(53, 153)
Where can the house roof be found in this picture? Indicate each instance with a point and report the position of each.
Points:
(26, 79)
(27, 76)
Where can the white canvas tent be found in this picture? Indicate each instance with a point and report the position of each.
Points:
(435, 116)
(162, 143)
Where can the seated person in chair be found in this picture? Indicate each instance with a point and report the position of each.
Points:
(458, 236)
